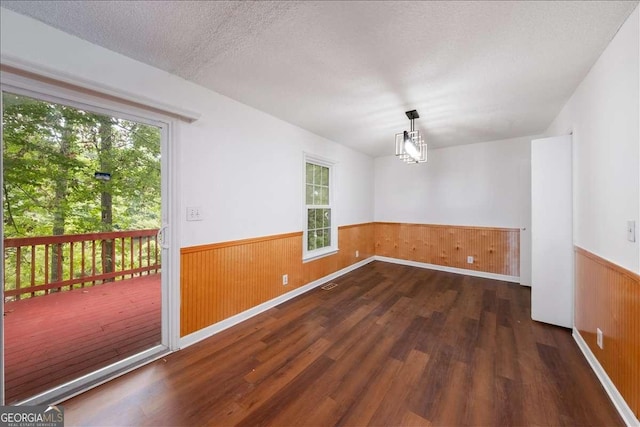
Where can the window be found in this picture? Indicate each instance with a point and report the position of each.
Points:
(319, 235)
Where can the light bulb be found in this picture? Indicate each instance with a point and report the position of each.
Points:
(410, 148)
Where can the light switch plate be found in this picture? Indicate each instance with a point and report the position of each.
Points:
(631, 231)
(194, 213)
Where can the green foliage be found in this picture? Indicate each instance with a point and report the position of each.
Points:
(317, 194)
(51, 153)
(318, 228)
(317, 184)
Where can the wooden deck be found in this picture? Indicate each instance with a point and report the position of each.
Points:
(55, 338)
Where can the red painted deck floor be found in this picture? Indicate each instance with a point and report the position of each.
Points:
(52, 339)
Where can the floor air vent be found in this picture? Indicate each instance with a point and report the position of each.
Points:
(329, 286)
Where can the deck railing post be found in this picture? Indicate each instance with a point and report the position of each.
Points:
(18, 270)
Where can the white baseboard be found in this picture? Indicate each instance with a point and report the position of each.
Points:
(474, 273)
(618, 401)
(247, 314)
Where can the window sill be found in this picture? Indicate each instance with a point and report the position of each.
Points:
(319, 254)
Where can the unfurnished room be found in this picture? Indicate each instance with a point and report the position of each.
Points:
(320, 213)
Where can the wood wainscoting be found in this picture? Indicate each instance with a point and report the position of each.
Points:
(494, 250)
(220, 280)
(351, 238)
(607, 296)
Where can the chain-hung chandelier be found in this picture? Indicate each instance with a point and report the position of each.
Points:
(410, 147)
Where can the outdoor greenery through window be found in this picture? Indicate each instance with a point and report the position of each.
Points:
(67, 172)
(318, 203)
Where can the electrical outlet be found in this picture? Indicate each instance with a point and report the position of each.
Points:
(285, 279)
(357, 254)
(599, 339)
(469, 260)
(194, 213)
(631, 231)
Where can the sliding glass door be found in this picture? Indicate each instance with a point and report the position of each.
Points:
(83, 221)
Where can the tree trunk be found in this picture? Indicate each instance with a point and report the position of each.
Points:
(60, 208)
(106, 204)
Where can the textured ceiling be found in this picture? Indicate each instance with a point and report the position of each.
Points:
(475, 71)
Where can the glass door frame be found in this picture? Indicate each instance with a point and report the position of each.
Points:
(88, 101)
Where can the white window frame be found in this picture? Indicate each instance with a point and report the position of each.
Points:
(308, 255)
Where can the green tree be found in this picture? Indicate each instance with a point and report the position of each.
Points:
(51, 153)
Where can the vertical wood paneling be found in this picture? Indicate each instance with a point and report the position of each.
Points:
(495, 250)
(608, 297)
(220, 280)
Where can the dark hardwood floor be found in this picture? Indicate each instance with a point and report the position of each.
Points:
(390, 346)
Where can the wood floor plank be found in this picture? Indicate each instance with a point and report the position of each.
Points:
(507, 358)
(409, 338)
(433, 382)
(390, 345)
(281, 355)
(429, 337)
(405, 385)
(337, 376)
(479, 408)
(509, 411)
(452, 405)
(366, 367)
(362, 411)
(410, 419)
(237, 409)
(327, 413)
(289, 395)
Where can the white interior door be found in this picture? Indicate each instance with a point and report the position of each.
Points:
(552, 281)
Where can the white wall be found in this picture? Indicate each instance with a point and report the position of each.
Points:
(481, 184)
(604, 115)
(487, 184)
(242, 166)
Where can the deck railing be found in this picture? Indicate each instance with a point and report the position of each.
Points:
(40, 265)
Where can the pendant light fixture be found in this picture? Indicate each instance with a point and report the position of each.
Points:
(410, 147)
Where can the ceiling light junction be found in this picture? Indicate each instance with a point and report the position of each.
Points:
(410, 147)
